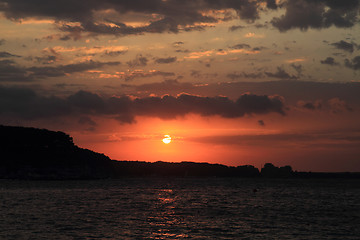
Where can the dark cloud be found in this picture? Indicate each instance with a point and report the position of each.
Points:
(240, 46)
(60, 37)
(292, 91)
(343, 45)
(182, 50)
(261, 122)
(310, 105)
(354, 63)
(114, 53)
(304, 14)
(298, 68)
(7, 55)
(271, 4)
(50, 56)
(260, 48)
(165, 87)
(142, 74)
(10, 71)
(199, 74)
(235, 76)
(85, 120)
(195, 73)
(236, 27)
(175, 14)
(329, 61)
(166, 60)
(26, 104)
(2, 41)
(139, 61)
(259, 25)
(281, 74)
(49, 59)
(22, 103)
(62, 70)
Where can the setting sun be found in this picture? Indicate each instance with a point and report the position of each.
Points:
(166, 139)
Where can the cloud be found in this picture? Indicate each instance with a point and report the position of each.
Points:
(298, 68)
(7, 55)
(271, 4)
(261, 122)
(310, 105)
(343, 45)
(241, 46)
(163, 87)
(108, 16)
(47, 59)
(2, 41)
(292, 91)
(259, 25)
(198, 74)
(85, 120)
(62, 70)
(178, 44)
(114, 53)
(338, 105)
(305, 14)
(26, 104)
(166, 60)
(141, 74)
(235, 75)
(327, 139)
(281, 74)
(139, 61)
(236, 27)
(354, 63)
(329, 61)
(10, 71)
(260, 48)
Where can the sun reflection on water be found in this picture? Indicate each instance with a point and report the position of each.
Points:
(165, 216)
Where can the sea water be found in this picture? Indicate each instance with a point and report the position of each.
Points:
(181, 208)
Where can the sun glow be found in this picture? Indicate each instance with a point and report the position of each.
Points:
(166, 139)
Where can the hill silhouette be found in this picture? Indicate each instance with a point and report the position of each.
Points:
(32, 153)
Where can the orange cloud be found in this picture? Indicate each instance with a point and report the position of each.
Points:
(295, 60)
(253, 35)
(194, 55)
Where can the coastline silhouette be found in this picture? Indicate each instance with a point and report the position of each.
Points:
(31, 153)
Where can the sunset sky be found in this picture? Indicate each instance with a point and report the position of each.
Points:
(234, 82)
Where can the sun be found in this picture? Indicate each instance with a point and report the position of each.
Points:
(166, 139)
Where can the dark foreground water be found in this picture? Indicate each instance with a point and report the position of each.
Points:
(148, 208)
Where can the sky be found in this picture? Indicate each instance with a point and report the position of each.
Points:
(235, 82)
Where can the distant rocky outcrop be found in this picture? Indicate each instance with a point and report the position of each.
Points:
(269, 170)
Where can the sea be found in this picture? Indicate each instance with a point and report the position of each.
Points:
(180, 208)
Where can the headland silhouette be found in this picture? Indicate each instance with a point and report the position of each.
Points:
(32, 153)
